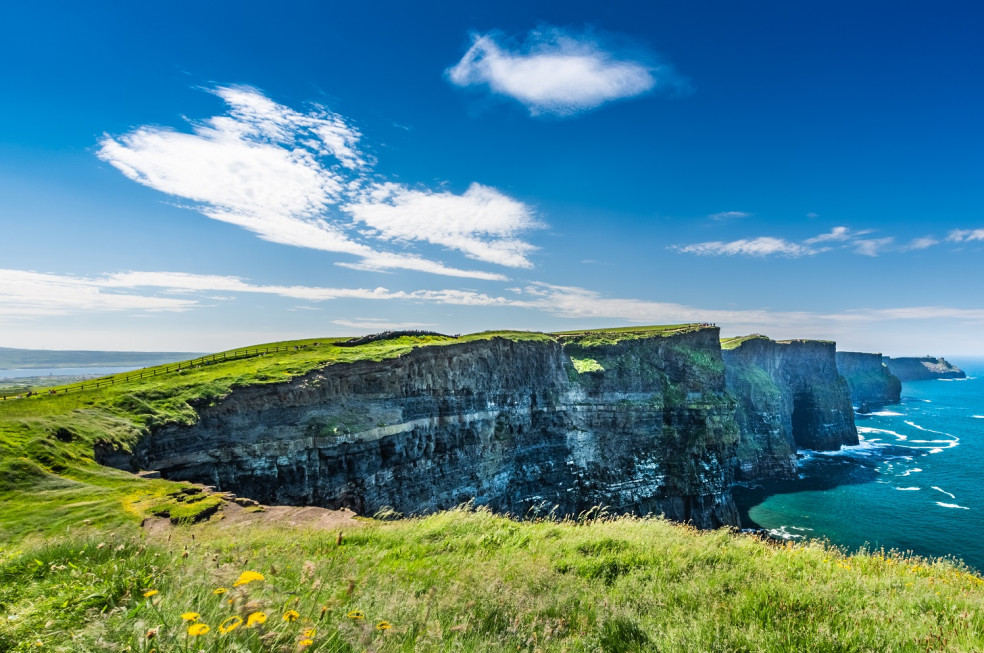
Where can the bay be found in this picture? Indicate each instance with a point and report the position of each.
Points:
(913, 484)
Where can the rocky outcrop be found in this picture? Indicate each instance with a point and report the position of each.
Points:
(869, 380)
(923, 369)
(642, 425)
(790, 396)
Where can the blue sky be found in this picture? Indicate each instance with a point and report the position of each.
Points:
(198, 176)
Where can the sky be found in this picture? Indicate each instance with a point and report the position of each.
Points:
(192, 176)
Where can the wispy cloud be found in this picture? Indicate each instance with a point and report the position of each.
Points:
(921, 243)
(836, 235)
(24, 293)
(376, 324)
(761, 246)
(298, 179)
(558, 72)
(32, 294)
(729, 215)
(872, 246)
(965, 235)
(582, 303)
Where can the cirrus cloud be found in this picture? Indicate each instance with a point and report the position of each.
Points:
(292, 177)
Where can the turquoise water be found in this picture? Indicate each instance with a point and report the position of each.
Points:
(915, 483)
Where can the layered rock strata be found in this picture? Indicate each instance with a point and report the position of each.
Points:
(924, 368)
(868, 379)
(642, 425)
(790, 396)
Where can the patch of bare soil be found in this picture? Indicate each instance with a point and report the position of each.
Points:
(234, 515)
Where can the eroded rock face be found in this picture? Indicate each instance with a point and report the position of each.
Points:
(868, 379)
(509, 424)
(923, 369)
(790, 396)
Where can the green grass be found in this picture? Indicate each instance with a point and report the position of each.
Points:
(737, 341)
(612, 336)
(75, 564)
(469, 580)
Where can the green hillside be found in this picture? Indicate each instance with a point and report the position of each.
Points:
(78, 572)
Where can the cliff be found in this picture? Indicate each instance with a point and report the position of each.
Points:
(635, 420)
(869, 380)
(790, 396)
(923, 369)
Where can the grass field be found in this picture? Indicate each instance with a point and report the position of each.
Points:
(79, 573)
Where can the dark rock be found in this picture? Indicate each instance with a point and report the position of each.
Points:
(789, 396)
(869, 380)
(508, 424)
(923, 369)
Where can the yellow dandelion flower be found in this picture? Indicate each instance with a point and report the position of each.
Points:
(304, 643)
(256, 618)
(310, 632)
(150, 593)
(190, 616)
(247, 577)
(291, 615)
(230, 624)
(194, 630)
(384, 625)
(356, 614)
(219, 590)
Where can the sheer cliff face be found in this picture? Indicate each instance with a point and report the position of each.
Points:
(923, 369)
(790, 396)
(868, 379)
(510, 424)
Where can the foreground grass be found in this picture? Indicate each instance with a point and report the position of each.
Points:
(469, 580)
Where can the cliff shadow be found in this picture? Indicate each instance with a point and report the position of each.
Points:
(817, 473)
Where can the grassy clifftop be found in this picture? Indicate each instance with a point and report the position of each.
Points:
(79, 573)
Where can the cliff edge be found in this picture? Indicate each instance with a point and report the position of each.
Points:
(790, 396)
(923, 369)
(869, 380)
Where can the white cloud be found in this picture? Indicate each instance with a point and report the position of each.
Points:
(581, 303)
(761, 246)
(729, 215)
(871, 246)
(837, 235)
(290, 177)
(921, 243)
(29, 294)
(482, 223)
(26, 294)
(557, 73)
(841, 237)
(965, 235)
(376, 324)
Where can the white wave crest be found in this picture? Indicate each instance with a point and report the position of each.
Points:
(908, 489)
(939, 489)
(911, 471)
(865, 430)
(785, 534)
(951, 505)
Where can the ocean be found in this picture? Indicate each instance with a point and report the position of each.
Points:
(915, 483)
(31, 372)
